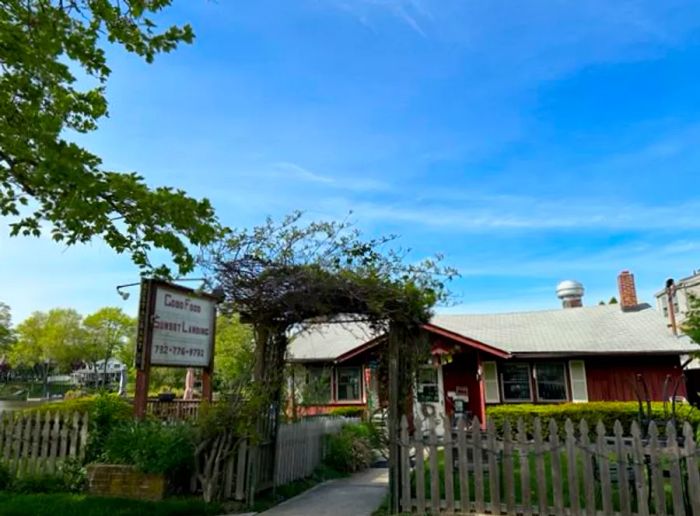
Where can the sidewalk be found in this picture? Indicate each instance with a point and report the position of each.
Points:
(358, 495)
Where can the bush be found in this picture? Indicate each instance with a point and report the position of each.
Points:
(606, 411)
(152, 447)
(350, 449)
(38, 483)
(5, 477)
(347, 411)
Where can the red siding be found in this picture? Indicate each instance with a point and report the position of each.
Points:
(614, 378)
(462, 372)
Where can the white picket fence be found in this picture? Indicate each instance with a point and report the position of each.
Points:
(301, 447)
(37, 443)
(584, 471)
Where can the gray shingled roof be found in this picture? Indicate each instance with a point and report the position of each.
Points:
(595, 329)
(328, 341)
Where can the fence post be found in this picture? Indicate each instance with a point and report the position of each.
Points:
(604, 469)
(420, 466)
(675, 465)
(639, 471)
(405, 467)
(525, 489)
(588, 475)
(508, 479)
(463, 467)
(623, 484)
(555, 457)
(494, 473)
(478, 451)
(449, 466)
(539, 466)
(572, 466)
(693, 485)
(657, 477)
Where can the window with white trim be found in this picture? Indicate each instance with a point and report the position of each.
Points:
(550, 378)
(515, 382)
(348, 384)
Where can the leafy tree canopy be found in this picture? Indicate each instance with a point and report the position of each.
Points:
(234, 353)
(691, 325)
(6, 333)
(45, 177)
(48, 339)
(107, 331)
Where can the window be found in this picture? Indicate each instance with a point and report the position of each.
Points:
(427, 388)
(317, 389)
(551, 381)
(348, 385)
(515, 382)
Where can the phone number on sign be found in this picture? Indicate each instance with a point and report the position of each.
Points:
(181, 351)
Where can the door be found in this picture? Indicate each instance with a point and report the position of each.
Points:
(429, 399)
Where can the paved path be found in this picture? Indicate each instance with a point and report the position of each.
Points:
(358, 495)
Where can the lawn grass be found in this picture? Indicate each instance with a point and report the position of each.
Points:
(65, 504)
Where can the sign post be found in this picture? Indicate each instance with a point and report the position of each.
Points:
(176, 329)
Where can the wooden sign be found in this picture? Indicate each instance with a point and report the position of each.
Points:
(176, 328)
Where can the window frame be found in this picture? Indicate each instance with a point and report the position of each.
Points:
(503, 383)
(338, 371)
(536, 381)
(314, 373)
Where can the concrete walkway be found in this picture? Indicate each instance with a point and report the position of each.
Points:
(358, 495)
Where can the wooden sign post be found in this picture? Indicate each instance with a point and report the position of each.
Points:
(176, 329)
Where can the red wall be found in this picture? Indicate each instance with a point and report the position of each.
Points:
(462, 372)
(613, 378)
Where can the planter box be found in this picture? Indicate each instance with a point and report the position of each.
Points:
(122, 481)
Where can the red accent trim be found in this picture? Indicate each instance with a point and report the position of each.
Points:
(466, 341)
(360, 349)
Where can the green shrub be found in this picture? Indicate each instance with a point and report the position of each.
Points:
(605, 411)
(5, 477)
(38, 483)
(350, 449)
(151, 446)
(347, 411)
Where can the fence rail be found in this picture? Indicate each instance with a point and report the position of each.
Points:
(173, 410)
(582, 470)
(39, 442)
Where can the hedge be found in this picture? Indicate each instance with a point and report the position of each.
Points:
(605, 411)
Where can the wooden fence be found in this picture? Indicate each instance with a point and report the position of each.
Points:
(174, 410)
(572, 471)
(299, 450)
(38, 442)
(301, 447)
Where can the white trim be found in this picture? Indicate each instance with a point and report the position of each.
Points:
(578, 382)
(489, 371)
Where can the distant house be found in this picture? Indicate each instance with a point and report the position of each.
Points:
(93, 375)
(574, 354)
(678, 299)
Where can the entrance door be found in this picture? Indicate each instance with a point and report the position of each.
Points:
(430, 399)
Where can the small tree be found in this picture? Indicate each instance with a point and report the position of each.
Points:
(691, 325)
(234, 353)
(107, 331)
(49, 339)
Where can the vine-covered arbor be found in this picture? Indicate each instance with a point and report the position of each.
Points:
(284, 277)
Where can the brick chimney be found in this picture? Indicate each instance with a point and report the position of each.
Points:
(628, 291)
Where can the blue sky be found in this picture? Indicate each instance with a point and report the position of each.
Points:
(528, 141)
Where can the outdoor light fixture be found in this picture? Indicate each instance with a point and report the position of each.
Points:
(218, 292)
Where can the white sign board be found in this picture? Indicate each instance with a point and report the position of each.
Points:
(182, 328)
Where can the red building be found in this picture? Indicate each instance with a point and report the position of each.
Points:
(573, 354)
